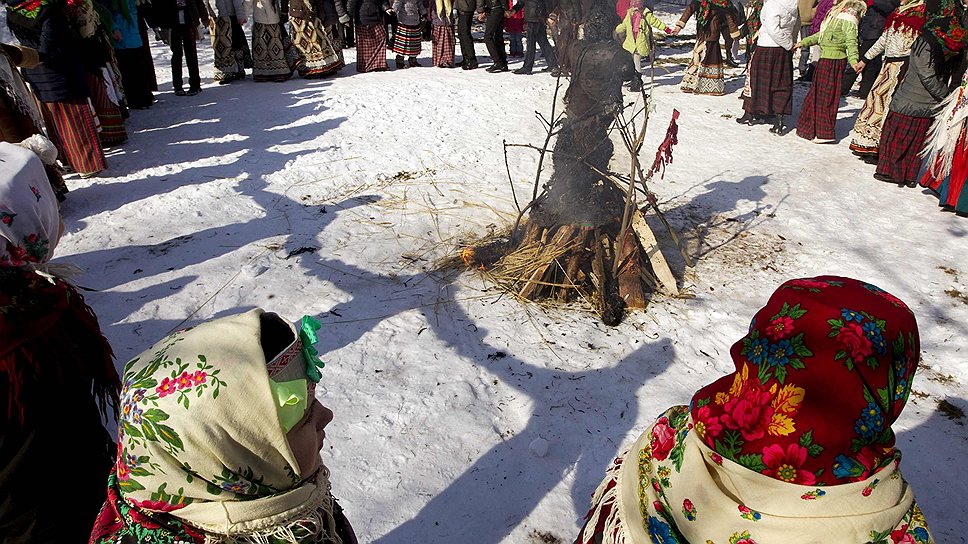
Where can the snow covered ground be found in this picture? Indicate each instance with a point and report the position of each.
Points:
(331, 198)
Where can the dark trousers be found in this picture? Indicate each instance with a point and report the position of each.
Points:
(804, 51)
(494, 37)
(347, 31)
(465, 19)
(871, 69)
(182, 38)
(538, 34)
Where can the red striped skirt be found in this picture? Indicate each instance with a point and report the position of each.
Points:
(371, 48)
(73, 133)
(818, 114)
(108, 113)
(771, 82)
(406, 40)
(902, 138)
(444, 44)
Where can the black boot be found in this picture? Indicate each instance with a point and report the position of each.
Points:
(746, 119)
(778, 126)
(399, 62)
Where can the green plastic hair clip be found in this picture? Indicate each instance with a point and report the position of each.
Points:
(307, 334)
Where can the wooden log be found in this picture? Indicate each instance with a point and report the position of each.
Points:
(598, 272)
(660, 268)
(531, 234)
(629, 273)
(573, 263)
(532, 289)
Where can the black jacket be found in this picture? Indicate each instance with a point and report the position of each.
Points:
(491, 5)
(165, 13)
(535, 11)
(367, 12)
(469, 6)
(60, 77)
(872, 25)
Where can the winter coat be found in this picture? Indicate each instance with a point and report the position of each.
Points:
(367, 12)
(491, 5)
(638, 44)
(334, 12)
(60, 77)
(231, 8)
(409, 12)
(535, 11)
(823, 8)
(469, 6)
(806, 9)
(838, 40)
(893, 43)
(872, 25)
(513, 20)
(779, 24)
(921, 91)
(166, 13)
(127, 25)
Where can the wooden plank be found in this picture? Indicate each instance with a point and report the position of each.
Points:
(667, 281)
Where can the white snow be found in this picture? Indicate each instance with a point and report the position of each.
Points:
(463, 415)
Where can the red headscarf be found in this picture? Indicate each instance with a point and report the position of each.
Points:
(824, 371)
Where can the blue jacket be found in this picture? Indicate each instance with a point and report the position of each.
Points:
(128, 26)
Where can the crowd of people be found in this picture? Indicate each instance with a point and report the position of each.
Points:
(88, 62)
(765, 453)
(768, 453)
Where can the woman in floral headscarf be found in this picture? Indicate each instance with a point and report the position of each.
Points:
(219, 440)
(794, 446)
(55, 369)
(704, 75)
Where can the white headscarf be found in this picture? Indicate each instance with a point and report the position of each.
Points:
(29, 220)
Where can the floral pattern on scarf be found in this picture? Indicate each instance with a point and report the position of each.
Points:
(775, 414)
(196, 452)
(29, 219)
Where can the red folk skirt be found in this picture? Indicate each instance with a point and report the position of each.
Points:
(73, 133)
(818, 114)
(902, 139)
(771, 82)
(444, 44)
(371, 48)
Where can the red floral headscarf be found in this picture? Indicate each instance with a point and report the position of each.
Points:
(824, 371)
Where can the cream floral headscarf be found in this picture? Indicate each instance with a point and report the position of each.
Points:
(201, 440)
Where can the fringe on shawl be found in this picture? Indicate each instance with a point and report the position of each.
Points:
(317, 526)
(604, 520)
(942, 140)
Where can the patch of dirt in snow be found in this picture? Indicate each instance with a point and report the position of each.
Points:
(544, 537)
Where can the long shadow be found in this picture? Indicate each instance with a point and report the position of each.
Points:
(933, 451)
(200, 146)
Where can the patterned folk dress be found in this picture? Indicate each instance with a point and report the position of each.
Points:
(320, 45)
(895, 44)
(794, 447)
(704, 74)
(273, 56)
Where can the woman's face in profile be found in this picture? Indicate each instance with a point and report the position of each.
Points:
(306, 438)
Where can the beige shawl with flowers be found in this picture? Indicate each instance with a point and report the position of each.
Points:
(670, 488)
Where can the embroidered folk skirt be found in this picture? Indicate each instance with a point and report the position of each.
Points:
(704, 75)
(73, 132)
(818, 114)
(902, 140)
(321, 47)
(771, 82)
(444, 44)
(230, 48)
(108, 113)
(371, 48)
(406, 40)
(870, 120)
(273, 55)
